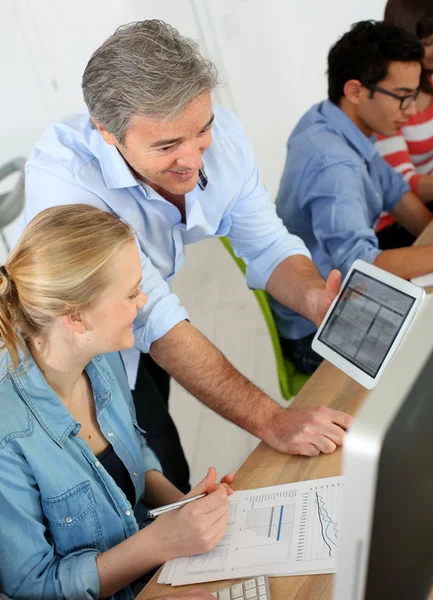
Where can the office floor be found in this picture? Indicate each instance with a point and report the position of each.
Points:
(221, 306)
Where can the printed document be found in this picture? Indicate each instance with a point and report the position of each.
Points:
(289, 529)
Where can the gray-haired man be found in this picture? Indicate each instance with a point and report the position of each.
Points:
(153, 149)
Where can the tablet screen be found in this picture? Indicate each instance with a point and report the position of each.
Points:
(365, 321)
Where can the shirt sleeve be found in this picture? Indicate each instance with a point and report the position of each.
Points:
(54, 186)
(395, 151)
(30, 567)
(257, 234)
(339, 220)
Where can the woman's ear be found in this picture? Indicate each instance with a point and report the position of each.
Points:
(75, 322)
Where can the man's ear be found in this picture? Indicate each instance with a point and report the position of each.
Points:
(75, 322)
(354, 91)
(106, 136)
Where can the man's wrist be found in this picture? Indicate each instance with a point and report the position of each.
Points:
(312, 299)
(267, 427)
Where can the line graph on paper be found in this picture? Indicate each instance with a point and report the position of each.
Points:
(318, 536)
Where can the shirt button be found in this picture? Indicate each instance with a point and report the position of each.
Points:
(68, 519)
(127, 512)
(110, 434)
(135, 473)
(97, 464)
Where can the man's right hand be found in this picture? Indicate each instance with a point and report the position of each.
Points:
(306, 431)
(201, 368)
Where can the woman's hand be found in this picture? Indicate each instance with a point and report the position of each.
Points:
(227, 480)
(198, 526)
(208, 484)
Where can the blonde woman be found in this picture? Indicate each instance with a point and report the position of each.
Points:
(75, 470)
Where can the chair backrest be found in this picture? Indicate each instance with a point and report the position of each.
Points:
(12, 202)
(289, 379)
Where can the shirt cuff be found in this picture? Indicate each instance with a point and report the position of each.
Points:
(404, 189)
(261, 268)
(368, 255)
(150, 460)
(164, 316)
(79, 575)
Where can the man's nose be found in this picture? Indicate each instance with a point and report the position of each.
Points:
(410, 111)
(191, 157)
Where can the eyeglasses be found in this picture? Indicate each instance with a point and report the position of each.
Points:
(405, 101)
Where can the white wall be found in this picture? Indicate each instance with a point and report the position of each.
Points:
(271, 55)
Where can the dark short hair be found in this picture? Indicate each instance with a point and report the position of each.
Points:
(365, 53)
(415, 16)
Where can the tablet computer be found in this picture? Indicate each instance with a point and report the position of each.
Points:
(366, 322)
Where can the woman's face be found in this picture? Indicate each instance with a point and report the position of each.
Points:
(428, 53)
(109, 322)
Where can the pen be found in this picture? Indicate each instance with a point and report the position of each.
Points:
(155, 512)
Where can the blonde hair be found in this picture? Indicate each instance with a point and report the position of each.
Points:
(58, 267)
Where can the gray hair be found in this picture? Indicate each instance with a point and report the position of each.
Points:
(147, 69)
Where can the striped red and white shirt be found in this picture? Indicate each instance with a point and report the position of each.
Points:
(410, 151)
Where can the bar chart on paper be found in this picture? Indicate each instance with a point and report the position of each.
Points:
(289, 529)
(274, 522)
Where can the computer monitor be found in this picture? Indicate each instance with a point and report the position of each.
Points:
(386, 527)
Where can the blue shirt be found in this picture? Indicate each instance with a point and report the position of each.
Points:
(59, 507)
(333, 189)
(72, 164)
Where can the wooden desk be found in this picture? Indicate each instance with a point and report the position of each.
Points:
(327, 387)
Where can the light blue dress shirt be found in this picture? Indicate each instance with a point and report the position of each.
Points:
(59, 507)
(72, 164)
(333, 189)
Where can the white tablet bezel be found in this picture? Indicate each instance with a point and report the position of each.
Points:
(416, 292)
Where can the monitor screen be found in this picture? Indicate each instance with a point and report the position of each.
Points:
(386, 532)
(365, 321)
(400, 564)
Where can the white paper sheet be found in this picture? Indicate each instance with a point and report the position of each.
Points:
(289, 529)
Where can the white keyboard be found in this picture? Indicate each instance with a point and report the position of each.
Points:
(256, 588)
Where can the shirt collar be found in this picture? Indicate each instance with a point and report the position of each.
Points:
(115, 171)
(347, 128)
(44, 403)
(114, 168)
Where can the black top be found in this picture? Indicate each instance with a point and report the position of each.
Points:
(115, 467)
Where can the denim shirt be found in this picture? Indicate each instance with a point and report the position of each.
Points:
(332, 191)
(59, 508)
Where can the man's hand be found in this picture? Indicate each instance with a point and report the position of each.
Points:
(319, 300)
(197, 365)
(307, 431)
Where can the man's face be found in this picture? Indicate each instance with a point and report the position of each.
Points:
(382, 113)
(168, 154)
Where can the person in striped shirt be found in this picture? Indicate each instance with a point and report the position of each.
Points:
(410, 150)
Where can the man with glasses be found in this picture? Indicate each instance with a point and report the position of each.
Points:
(335, 186)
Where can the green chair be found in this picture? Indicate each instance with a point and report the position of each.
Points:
(290, 380)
